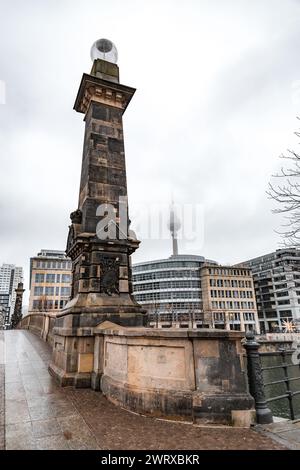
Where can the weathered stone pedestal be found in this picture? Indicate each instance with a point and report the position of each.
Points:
(194, 375)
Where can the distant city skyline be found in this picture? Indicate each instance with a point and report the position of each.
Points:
(10, 276)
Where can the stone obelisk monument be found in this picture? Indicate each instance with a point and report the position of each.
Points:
(17, 315)
(100, 242)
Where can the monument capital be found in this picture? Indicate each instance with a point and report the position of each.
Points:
(95, 89)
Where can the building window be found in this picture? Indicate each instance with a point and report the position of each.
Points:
(65, 291)
(39, 277)
(282, 294)
(49, 290)
(281, 286)
(38, 290)
(66, 278)
(50, 278)
(284, 302)
(36, 304)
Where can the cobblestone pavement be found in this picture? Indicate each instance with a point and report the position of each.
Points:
(40, 415)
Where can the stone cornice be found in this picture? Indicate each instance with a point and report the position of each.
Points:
(102, 91)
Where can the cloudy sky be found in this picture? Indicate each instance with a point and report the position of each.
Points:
(218, 92)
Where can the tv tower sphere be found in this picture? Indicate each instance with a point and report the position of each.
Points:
(174, 222)
(104, 49)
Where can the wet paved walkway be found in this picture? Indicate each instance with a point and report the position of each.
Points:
(284, 432)
(40, 415)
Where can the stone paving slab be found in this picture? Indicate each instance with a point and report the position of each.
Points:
(286, 433)
(41, 415)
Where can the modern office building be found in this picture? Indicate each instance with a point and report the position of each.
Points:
(277, 287)
(190, 291)
(170, 287)
(10, 276)
(50, 281)
(229, 298)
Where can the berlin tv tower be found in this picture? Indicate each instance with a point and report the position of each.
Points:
(174, 226)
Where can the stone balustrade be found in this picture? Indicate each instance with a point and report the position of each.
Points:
(41, 324)
(194, 375)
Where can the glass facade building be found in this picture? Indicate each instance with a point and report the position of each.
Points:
(170, 286)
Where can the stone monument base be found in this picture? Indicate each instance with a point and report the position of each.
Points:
(194, 375)
(73, 345)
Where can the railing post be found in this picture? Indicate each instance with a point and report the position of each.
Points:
(256, 381)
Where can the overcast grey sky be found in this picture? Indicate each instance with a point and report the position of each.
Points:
(218, 92)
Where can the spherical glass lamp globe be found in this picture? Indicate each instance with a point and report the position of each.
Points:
(104, 49)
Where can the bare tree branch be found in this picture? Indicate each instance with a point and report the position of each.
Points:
(287, 196)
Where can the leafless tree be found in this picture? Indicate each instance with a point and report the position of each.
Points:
(287, 195)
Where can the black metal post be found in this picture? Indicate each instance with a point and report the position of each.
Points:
(256, 381)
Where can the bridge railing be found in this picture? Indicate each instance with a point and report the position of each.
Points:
(41, 324)
(288, 385)
(272, 378)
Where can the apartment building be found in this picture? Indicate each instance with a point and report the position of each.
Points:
(4, 310)
(229, 298)
(50, 281)
(10, 276)
(277, 287)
